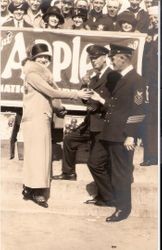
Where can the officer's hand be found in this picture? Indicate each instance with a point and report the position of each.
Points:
(96, 97)
(129, 143)
(84, 94)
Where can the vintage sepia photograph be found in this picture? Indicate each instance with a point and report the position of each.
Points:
(80, 125)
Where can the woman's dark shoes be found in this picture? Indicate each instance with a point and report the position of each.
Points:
(40, 200)
(67, 177)
(119, 215)
(35, 195)
(97, 201)
(92, 201)
(27, 193)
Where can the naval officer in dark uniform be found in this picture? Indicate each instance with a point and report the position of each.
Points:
(91, 127)
(124, 111)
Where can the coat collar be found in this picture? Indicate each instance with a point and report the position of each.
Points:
(126, 71)
(34, 67)
(122, 82)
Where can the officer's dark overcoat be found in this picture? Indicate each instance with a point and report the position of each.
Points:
(125, 110)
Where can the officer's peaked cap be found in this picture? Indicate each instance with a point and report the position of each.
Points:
(119, 49)
(97, 50)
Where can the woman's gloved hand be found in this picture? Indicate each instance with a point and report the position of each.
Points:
(60, 112)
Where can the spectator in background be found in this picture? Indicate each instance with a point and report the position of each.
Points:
(17, 2)
(148, 3)
(113, 7)
(95, 14)
(140, 15)
(18, 12)
(110, 21)
(57, 3)
(83, 4)
(127, 22)
(79, 17)
(53, 18)
(150, 72)
(5, 14)
(67, 7)
(45, 4)
(34, 14)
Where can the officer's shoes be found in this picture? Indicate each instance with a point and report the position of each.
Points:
(148, 163)
(63, 176)
(92, 201)
(118, 215)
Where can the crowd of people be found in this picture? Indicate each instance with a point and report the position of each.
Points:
(98, 15)
(121, 105)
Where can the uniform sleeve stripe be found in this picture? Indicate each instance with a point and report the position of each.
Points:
(135, 118)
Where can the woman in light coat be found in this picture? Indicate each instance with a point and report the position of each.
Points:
(39, 92)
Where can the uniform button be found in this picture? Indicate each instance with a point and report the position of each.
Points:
(101, 91)
(116, 98)
(104, 120)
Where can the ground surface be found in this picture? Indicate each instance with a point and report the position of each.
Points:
(68, 223)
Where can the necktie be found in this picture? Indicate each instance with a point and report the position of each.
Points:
(97, 76)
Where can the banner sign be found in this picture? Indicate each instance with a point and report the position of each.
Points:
(70, 61)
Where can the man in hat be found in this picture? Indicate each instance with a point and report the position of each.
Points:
(18, 12)
(91, 128)
(124, 111)
(34, 14)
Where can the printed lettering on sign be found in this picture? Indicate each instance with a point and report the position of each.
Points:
(70, 61)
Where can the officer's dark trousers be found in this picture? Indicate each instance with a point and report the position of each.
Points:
(71, 143)
(121, 172)
(99, 166)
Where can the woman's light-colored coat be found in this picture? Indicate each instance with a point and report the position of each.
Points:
(39, 93)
